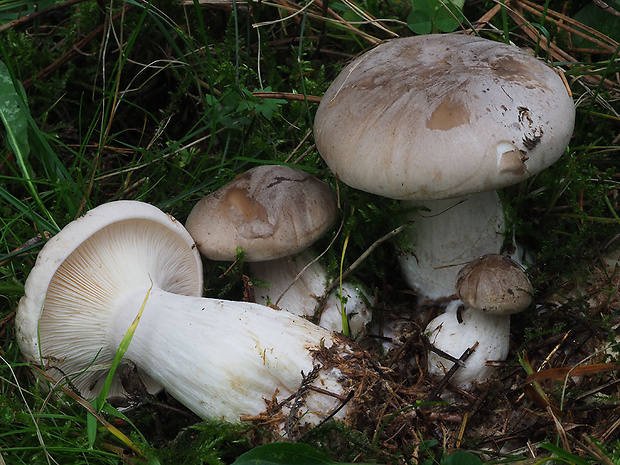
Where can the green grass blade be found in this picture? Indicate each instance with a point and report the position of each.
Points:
(13, 115)
(100, 401)
(42, 224)
(15, 123)
(343, 311)
(122, 348)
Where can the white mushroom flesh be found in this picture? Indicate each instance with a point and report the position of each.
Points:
(455, 331)
(452, 233)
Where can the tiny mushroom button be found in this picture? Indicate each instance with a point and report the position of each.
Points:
(494, 284)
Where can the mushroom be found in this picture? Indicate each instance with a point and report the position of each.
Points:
(272, 213)
(127, 260)
(490, 289)
(436, 117)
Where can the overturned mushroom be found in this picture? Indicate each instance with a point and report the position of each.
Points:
(222, 359)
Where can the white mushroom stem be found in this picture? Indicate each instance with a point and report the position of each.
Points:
(300, 294)
(455, 331)
(224, 359)
(452, 233)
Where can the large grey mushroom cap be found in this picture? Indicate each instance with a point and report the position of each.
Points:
(441, 116)
(269, 212)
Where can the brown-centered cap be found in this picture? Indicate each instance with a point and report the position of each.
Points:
(442, 116)
(494, 284)
(269, 212)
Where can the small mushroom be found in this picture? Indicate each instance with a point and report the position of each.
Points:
(458, 330)
(272, 213)
(224, 360)
(444, 116)
(490, 289)
(494, 284)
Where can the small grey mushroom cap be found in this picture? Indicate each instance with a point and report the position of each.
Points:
(269, 212)
(64, 315)
(441, 116)
(494, 284)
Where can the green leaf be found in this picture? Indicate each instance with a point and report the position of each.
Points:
(447, 19)
(427, 16)
(456, 4)
(283, 453)
(601, 20)
(420, 22)
(564, 455)
(461, 457)
(16, 118)
(15, 123)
